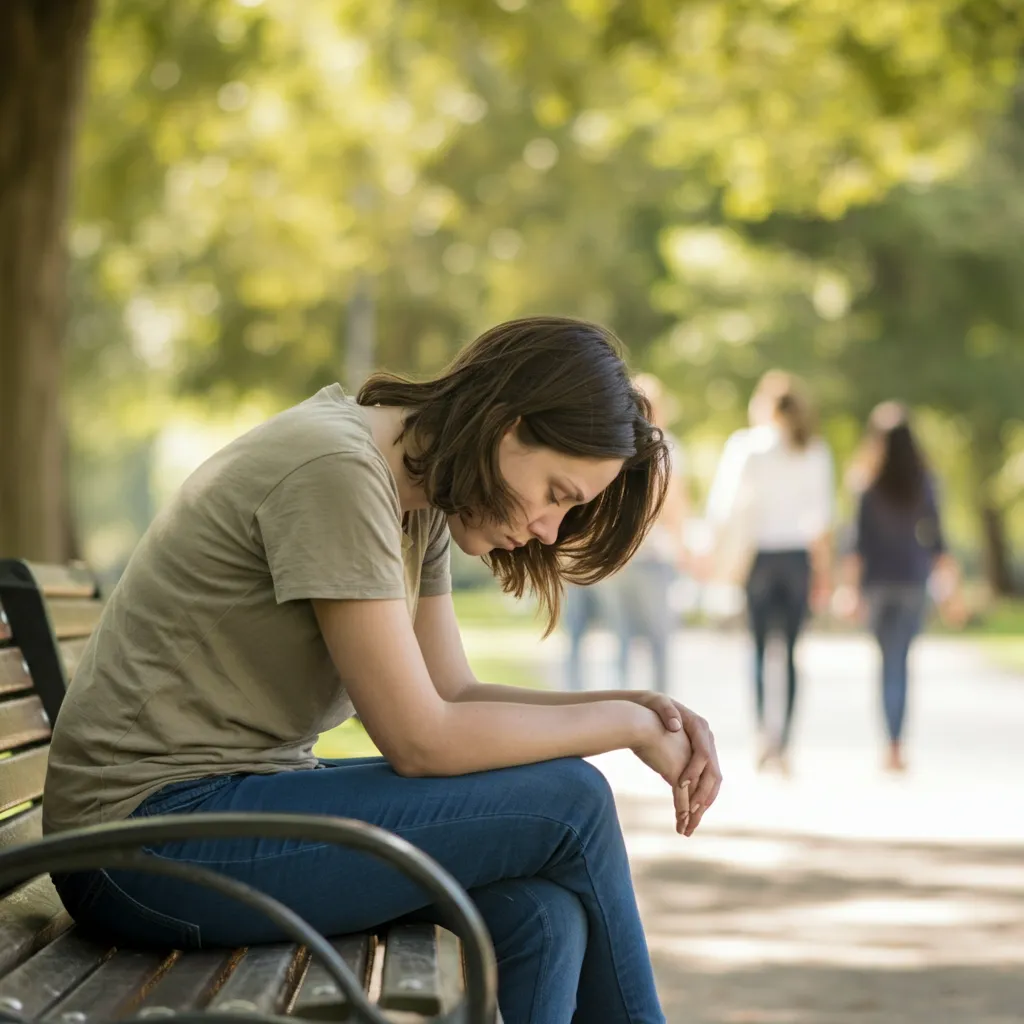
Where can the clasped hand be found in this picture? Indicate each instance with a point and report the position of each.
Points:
(683, 753)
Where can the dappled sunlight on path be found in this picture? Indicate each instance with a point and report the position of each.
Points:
(805, 928)
(840, 895)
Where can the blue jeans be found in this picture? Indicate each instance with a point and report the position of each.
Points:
(896, 614)
(579, 611)
(777, 600)
(538, 847)
(637, 602)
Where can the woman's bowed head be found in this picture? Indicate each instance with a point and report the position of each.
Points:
(539, 449)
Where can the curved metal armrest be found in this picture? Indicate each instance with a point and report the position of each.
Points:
(120, 845)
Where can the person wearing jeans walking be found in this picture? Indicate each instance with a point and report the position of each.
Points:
(637, 600)
(899, 547)
(302, 575)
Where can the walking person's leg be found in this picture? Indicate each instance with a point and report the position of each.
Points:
(554, 822)
(900, 617)
(759, 586)
(615, 598)
(793, 605)
(661, 623)
(883, 617)
(649, 605)
(576, 620)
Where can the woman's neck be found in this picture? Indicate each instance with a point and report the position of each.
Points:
(386, 425)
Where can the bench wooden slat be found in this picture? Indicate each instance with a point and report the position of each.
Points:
(114, 989)
(21, 777)
(51, 974)
(13, 673)
(71, 654)
(192, 981)
(22, 721)
(264, 980)
(21, 828)
(63, 580)
(412, 980)
(73, 618)
(30, 916)
(319, 997)
(450, 970)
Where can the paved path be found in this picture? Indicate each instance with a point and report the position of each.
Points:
(840, 895)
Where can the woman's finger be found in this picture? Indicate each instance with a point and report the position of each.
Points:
(681, 799)
(667, 712)
(694, 769)
(706, 789)
(692, 821)
(681, 796)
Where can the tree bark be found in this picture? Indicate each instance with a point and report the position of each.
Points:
(42, 58)
(996, 551)
(989, 455)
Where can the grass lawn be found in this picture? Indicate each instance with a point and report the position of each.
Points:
(1000, 634)
(489, 608)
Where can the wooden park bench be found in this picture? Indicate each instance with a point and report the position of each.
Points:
(51, 972)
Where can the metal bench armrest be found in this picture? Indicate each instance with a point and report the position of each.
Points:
(120, 845)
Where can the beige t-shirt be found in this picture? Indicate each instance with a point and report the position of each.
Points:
(208, 659)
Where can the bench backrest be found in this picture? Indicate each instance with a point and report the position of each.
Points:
(46, 615)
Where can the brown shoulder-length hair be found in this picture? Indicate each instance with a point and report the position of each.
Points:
(565, 384)
(786, 397)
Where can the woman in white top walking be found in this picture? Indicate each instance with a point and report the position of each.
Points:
(774, 488)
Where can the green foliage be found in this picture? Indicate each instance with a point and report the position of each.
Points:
(730, 186)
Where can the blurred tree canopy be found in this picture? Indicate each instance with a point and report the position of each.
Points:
(729, 186)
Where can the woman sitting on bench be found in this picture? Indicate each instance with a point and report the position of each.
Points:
(301, 575)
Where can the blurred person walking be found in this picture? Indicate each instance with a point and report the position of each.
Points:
(899, 548)
(771, 508)
(636, 601)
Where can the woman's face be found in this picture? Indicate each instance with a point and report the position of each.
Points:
(546, 484)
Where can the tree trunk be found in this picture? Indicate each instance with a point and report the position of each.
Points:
(42, 56)
(996, 551)
(989, 455)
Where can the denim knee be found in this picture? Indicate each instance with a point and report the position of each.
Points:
(578, 789)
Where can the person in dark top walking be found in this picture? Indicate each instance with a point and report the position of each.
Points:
(899, 548)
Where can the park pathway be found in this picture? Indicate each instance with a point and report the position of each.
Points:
(839, 895)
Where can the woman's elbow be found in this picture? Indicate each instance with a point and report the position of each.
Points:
(416, 759)
(420, 747)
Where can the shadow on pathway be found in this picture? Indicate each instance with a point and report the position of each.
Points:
(751, 928)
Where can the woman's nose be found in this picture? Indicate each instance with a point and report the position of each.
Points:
(545, 528)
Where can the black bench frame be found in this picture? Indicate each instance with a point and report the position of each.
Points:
(121, 845)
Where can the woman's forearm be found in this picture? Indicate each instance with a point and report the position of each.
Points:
(474, 736)
(476, 691)
(821, 560)
(851, 569)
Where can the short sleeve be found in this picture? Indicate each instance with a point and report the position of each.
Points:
(332, 529)
(436, 576)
